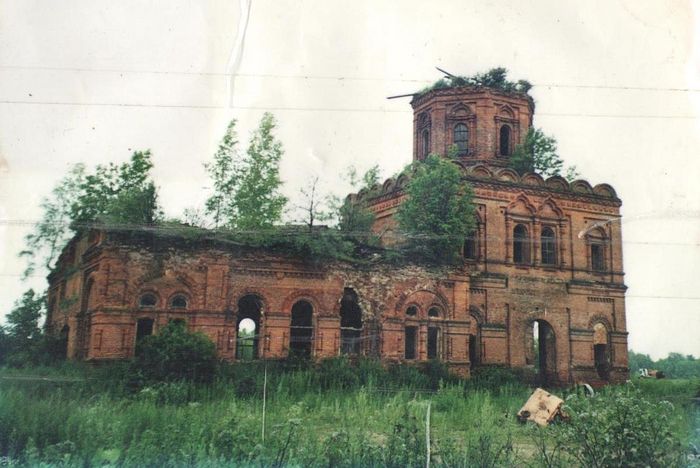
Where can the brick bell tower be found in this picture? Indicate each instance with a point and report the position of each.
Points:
(484, 124)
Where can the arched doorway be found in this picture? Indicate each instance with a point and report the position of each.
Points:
(544, 351)
(601, 354)
(248, 327)
(62, 345)
(144, 328)
(350, 323)
(301, 331)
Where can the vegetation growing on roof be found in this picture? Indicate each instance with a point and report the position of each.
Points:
(496, 78)
(538, 153)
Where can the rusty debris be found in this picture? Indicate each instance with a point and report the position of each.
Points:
(542, 407)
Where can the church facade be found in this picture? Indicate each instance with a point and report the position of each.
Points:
(541, 285)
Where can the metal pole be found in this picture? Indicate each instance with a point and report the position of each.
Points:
(427, 437)
(264, 403)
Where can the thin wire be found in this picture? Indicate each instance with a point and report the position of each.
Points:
(316, 109)
(323, 77)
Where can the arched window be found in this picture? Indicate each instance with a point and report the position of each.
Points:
(434, 312)
(470, 246)
(597, 242)
(179, 301)
(412, 311)
(301, 334)
(461, 138)
(504, 141)
(425, 143)
(350, 323)
(521, 245)
(248, 323)
(147, 301)
(549, 246)
(410, 335)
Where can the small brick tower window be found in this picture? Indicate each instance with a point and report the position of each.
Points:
(549, 247)
(461, 138)
(504, 141)
(179, 301)
(597, 242)
(521, 245)
(425, 143)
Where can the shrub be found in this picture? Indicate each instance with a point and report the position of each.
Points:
(618, 427)
(176, 354)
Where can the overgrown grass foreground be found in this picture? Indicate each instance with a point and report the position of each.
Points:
(335, 415)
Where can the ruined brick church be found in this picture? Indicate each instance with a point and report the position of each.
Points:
(540, 288)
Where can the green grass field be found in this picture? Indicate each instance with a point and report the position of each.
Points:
(79, 416)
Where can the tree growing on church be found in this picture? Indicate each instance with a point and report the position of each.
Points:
(438, 213)
(258, 201)
(538, 153)
(113, 194)
(224, 173)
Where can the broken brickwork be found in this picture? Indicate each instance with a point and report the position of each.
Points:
(540, 288)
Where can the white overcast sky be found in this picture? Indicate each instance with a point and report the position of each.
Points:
(616, 82)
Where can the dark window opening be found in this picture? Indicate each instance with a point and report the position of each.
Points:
(248, 327)
(461, 138)
(350, 323)
(521, 245)
(504, 140)
(433, 312)
(179, 302)
(148, 300)
(549, 247)
(597, 257)
(433, 333)
(144, 328)
(301, 330)
(425, 142)
(470, 251)
(474, 351)
(412, 311)
(410, 342)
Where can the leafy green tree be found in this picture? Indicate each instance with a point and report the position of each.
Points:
(174, 353)
(53, 231)
(258, 200)
(438, 213)
(22, 335)
(538, 153)
(354, 218)
(225, 175)
(112, 194)
(115, 193)
(639, 361)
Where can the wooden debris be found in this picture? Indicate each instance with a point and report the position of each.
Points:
(542, 407)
